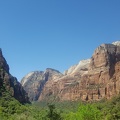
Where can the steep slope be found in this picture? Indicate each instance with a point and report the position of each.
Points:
(9, 84)
(34, 82)
(100, 80)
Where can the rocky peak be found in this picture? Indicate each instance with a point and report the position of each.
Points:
(36, 81)
(9, 84)
(3, 63)
(110, 48)
(116, 43)
(70, 70)
(30, 75)
(105, 55)
(82, 67)
(53, 74)
(51, 70)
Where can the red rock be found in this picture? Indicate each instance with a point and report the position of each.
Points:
(101, 81)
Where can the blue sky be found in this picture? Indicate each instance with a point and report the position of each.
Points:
(40, 34)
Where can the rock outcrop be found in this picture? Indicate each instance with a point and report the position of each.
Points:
(9, 84)
(34, 82)
(92, 79)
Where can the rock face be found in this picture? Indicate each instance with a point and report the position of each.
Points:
(9, 84)
(34, 82)
(89, 80)
(81, 67)
(94, 79)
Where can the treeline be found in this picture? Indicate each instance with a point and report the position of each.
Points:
(11, 109)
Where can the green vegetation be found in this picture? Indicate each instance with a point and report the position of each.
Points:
(85, 112)
(11, 109)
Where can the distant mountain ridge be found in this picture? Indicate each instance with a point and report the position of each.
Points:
(92, 79)
(34, 82)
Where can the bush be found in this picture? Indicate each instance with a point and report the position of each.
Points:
(85, 112)
(52, 114)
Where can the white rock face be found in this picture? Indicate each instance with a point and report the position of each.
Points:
(82, 66)
(116, 43)
(26, 78)
(70, 70)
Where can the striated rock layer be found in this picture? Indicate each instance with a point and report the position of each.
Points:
(92, 79)
(9, 84)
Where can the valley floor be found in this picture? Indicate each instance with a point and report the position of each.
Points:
(11, 109)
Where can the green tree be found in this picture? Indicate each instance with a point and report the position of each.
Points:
(85, 112)
(52, 113)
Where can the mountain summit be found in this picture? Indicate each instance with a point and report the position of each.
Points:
(34, 82)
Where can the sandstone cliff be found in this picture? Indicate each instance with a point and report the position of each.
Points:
(92, 79)
(9, 84)
(99, 79)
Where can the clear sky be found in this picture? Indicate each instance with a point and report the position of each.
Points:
(40, 34)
